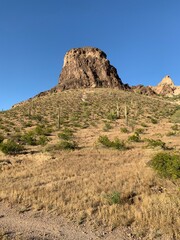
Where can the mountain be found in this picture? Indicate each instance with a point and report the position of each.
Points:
(87, 154)
(88, 67)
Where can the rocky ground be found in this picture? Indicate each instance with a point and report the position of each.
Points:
(27, 225)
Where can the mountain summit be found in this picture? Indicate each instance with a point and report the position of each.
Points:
(166, 81)
(88, 67)
(166, 87)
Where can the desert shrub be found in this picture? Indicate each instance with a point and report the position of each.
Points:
(85, 125)
(116, 144)
(42, 140)
(11, 147)
(17, 129)
(155, 143)
(139, 130)
(124, 130)
(38, 136)
(144, 125)
(176, 116)
(107, 126)
(67, 145)
(166, 164)
(66, 134)
(175, 127)
(105, 141)
(42, 130)
(154, 120)
(28, 124)
(36, 117)
(112, 116)
(171, 133)
(29, 138)
(16, 137)
(113, 198)
(1, 138)
(134, 138)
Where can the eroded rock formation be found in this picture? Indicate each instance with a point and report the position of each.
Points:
(145, 90)
(88, 67)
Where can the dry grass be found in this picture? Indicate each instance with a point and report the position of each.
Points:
(77, 183)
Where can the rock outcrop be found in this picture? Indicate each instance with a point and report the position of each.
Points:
(166, 87)
(88, 67)
(145, 90)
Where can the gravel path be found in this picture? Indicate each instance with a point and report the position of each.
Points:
(31, 226)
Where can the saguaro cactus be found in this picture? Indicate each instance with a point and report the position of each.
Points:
(126, 114)
(117, 111)
(59, 118)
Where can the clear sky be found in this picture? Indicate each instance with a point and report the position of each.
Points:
(140, 37)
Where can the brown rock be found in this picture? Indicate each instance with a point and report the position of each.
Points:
(88, 67)
(143, 90)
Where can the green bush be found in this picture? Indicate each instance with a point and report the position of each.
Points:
(112, 116)
(105, 141)
(171, 133)
(166, 164)
(134, 138)
(116, 144)
(38, 136)
(1, 138)
(107, 127)
(11, 147)
(124, 130)
(66, 134)
(36, 117)
(113, 198)
(176, 116)
(154, 121)
(175, 127)
(29, 138)
(139, 130)
(42, 140)
(42, 130)
(28, 124)
(67, 145)
(156, 143)
(144, 125)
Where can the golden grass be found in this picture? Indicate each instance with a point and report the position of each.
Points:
(75, 184)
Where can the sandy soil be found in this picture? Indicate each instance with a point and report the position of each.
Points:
(30, 225)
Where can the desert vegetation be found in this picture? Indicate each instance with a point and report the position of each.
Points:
(111, 160)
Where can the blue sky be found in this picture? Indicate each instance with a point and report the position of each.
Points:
(140, 37)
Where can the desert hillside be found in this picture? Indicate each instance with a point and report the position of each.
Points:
(92, 157)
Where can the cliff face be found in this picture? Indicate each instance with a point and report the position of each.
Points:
(88, 68)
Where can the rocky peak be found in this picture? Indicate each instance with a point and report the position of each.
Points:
(88, 67)
(166, 87)
(166, 81)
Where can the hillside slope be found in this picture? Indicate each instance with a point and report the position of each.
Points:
(86, 157)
